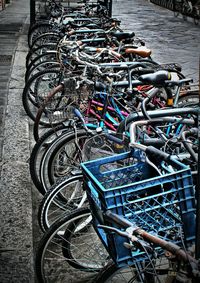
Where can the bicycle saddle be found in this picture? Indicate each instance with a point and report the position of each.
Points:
(99, 86)
(123, 35)
(141, 51)
(156, 78)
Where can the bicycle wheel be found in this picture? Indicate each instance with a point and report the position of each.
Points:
(39, 150)
(36, 90)
(37, 29)
(64, 196)
(85, 248)
(45, 38)
(41, 66)
(189, 100)
(140, 272)
(81, 233)
(49, 56)
(64, 155)
(35, 52)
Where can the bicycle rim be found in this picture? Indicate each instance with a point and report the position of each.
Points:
(64, 197)
(53, 266)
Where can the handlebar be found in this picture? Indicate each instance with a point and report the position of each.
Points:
(135, 233)
(156, 114)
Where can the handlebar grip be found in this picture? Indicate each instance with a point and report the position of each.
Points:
(157, 154)
(117, 219)
(154, 142)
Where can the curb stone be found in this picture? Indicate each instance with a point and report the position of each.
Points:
(16, 248)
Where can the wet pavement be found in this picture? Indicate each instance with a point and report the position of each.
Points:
(171, 40)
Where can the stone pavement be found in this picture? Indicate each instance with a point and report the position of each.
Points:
(11, 21)
(171, 40)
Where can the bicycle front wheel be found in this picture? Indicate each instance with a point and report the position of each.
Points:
(75, 235)
(65, 196)
(140, 272)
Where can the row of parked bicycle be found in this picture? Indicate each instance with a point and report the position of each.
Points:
(115, 155)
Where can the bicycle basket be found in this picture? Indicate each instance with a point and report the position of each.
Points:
(104, 144)
(163, 204)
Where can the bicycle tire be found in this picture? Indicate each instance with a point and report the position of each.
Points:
(49, 256)
(35, 52)
(54, 203)
(37, 28)
(49, 172)
(39, 150)
(189, 100)
(29, 96)
(41, 66)
(80, 233)
(41, 111)
(133, 273)
(50, 55)
(45, 38)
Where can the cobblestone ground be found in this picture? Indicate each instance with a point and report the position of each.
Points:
(171, 39)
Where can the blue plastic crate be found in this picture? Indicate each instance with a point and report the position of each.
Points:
(128, 186)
